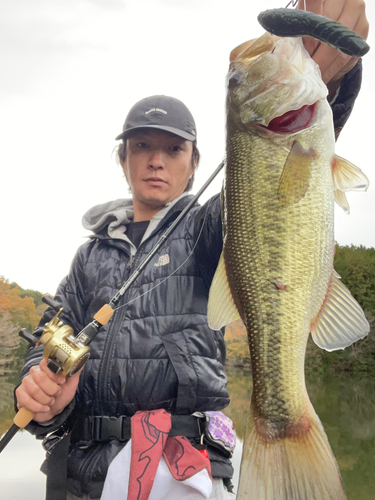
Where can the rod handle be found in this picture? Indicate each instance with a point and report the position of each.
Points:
(23, 417)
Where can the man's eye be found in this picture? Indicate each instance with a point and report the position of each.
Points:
(176, 148)
(142, 145)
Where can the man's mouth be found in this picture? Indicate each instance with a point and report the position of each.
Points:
(292, 121)
(156, 180)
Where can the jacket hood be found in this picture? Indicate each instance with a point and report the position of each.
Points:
(114, 214)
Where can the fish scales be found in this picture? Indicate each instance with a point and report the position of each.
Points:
(275, 245)
(276, 269)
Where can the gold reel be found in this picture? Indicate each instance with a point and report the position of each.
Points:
(62, 351)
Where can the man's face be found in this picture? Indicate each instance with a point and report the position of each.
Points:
(157, 166)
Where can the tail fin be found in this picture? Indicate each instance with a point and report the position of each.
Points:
(297, 468)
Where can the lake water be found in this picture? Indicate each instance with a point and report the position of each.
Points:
(345, 405)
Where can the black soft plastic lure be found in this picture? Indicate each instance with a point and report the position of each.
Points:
(292, 23)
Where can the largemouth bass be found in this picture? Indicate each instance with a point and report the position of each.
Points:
(276, 270)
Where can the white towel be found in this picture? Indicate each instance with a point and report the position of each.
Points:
(166, 487)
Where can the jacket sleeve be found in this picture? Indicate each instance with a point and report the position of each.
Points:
(69, 295)
(343, 103)
(208, 236)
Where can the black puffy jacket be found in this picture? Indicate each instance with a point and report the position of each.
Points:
(157, 351)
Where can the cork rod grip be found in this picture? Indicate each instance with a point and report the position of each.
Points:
(104, 314)
(23, 417)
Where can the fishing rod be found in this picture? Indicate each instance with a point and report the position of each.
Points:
(66, 353)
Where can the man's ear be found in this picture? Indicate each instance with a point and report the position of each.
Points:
(193, 168)
(195, 161)
(123, 169)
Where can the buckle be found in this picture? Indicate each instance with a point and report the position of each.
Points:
(50, 441)
(105, 428)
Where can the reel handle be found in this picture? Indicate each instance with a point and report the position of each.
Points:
(49, 300)
(26, 335)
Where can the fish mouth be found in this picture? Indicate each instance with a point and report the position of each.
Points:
(292, 121)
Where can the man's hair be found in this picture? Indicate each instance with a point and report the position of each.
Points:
(195, 158)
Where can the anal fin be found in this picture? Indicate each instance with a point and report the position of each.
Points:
(341, 320)
(221, 307)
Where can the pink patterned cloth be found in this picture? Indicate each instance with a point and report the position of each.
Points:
(149, 442)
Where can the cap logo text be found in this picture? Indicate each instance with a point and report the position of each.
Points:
(155, 110)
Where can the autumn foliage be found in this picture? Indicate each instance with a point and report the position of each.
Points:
(237, 344)
(21, 310)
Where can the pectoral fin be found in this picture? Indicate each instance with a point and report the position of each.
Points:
(221, 307)
(346, 177)
(341, 200)
(341, 320)
(295, 178)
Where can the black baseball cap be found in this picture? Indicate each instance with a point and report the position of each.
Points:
(161, 112)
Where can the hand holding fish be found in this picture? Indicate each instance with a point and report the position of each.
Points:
(334, 64)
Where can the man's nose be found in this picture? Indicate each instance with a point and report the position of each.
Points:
(157, 159)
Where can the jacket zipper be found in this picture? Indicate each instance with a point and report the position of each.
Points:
(104, 371)
(104, 368)
(117, 320)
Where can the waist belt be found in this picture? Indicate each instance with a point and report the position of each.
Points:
(104, 428)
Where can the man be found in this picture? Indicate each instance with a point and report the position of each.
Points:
(157, 351)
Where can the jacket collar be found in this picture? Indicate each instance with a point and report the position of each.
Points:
(110, 219)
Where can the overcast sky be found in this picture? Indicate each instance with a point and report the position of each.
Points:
(71, 69)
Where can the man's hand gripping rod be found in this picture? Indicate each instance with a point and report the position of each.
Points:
(66, 353)
(63, 352)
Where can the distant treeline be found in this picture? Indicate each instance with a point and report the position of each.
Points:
(19, 308)
(356, 266)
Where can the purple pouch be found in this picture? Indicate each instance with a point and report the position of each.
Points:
(220, 432)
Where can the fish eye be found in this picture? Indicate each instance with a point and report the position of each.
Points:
(234, 80)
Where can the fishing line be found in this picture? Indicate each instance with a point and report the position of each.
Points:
(293, 3)
(173, 272)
